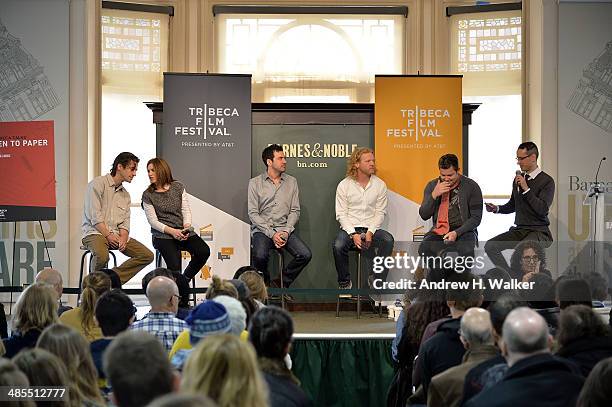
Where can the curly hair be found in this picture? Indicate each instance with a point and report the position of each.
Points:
(515, 260)
(351, 170)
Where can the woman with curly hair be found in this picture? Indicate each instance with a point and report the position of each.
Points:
(528, 258)
(81, 318)
(429, 306)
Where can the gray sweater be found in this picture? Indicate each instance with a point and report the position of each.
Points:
(470, 205)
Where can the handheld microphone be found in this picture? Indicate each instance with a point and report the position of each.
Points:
(518, 187)
(188, 230)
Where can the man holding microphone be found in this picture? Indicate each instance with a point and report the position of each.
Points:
(532, 194)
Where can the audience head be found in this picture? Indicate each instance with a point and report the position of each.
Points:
(235, 310)
(429, 306)
(220, 287)
(73, 349)
(500, 309)
(11, 376)
(163, 295)
(137, 367)
(270, 332)
(597, 391)
(256, 284)
(243, 270)
(598, 283)
(525, 333)
(573, 291)
(526, 257)
(45, 369)
(491, 294)
(224, 368)
(53, 278)
(36, 308)
(580, 322)
(539, 294)
(208, 318)
(182, 400)
(115, 312)
(461, 299)
(476, 329)
(94, 285)
(180, 280)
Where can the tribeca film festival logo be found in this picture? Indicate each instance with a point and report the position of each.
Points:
(208, 122)
(421, 124)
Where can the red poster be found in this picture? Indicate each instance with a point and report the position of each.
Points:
(27, 171)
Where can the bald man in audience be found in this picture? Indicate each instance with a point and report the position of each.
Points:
(53, 278)
(161, 321)
(534, 377)
(476, 334)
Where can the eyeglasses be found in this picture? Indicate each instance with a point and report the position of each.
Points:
(178, 297)
(531, 259)
(522, 158)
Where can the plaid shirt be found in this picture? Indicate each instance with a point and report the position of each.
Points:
(164, 325)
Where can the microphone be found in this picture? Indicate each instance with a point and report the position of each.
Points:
(188, 230)
(596, 186)
(518, 187)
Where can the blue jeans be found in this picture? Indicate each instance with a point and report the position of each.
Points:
(260, 253)
(382, 245)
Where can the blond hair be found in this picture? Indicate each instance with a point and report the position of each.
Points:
(36, 308)
(351, 169)
(224, 368)
(94, 285)
(11, 376)
(220, 287)
(73, 349)
(256, 284)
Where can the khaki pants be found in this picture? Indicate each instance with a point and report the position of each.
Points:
(139, 256)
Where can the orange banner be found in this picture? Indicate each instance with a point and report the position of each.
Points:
(417, 119)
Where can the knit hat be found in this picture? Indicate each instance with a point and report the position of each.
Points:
(242, 288)
(208, 318)
(237, 314)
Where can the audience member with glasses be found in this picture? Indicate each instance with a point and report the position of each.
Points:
(528, 259)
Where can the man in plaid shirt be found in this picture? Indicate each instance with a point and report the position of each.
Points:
(161, 321)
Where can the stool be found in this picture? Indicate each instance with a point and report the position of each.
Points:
(85, 253)
(281, 267)
(356, 250)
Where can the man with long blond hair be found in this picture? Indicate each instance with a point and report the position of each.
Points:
(361, 206)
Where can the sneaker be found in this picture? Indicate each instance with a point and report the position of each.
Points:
(345, 285)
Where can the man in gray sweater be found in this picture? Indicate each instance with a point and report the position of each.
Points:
(454, 201)
(532, 194)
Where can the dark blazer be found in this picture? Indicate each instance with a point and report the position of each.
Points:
(541, 380)
(470, 204)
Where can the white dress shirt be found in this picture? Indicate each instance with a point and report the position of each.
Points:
(358, 206)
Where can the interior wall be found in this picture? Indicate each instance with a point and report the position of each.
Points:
(192, 42)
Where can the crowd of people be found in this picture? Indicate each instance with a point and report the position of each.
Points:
(477, 348)
(230, 350)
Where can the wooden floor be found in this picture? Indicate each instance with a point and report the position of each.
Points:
(325, 322)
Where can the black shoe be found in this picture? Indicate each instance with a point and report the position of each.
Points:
(345, 285)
